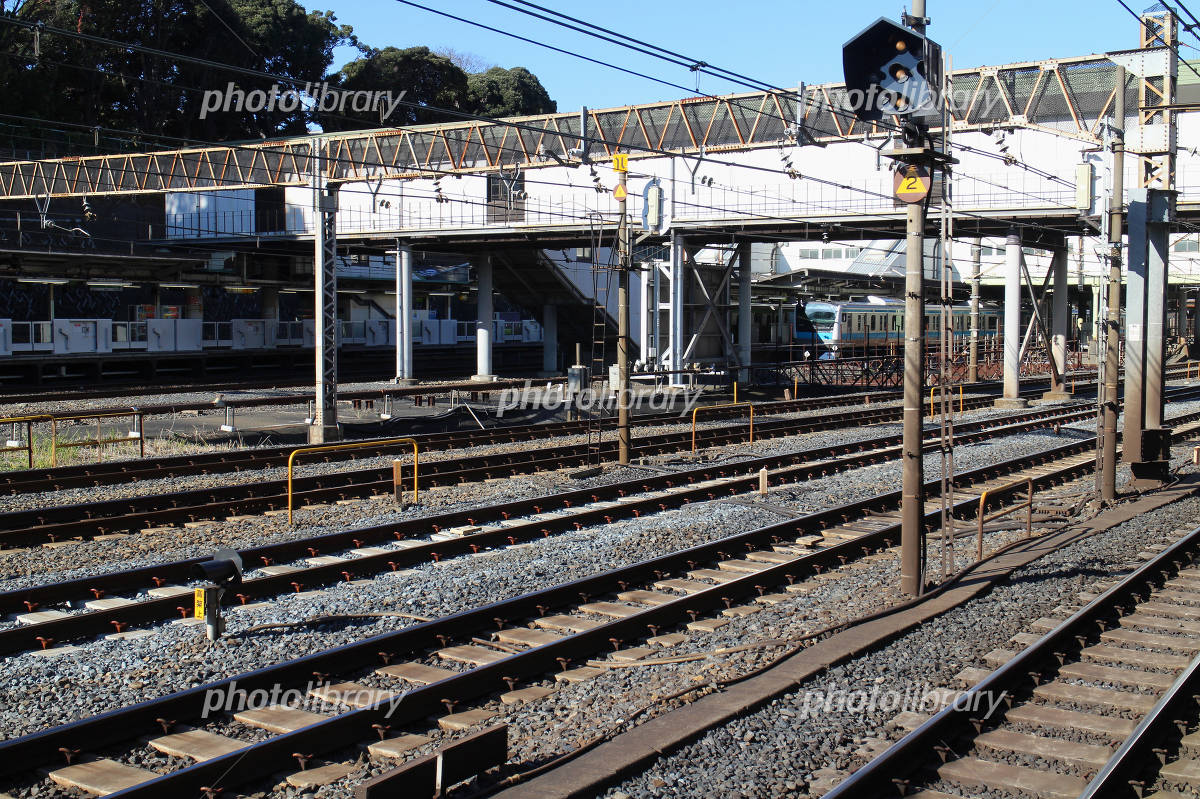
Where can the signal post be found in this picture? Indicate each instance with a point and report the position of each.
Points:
(898, 73)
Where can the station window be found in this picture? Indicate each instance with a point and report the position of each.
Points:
(1187, 244)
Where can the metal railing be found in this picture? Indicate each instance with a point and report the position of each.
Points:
(29, 422)
(982, 517)
(344, 448)
(99, 441)
(749, 405)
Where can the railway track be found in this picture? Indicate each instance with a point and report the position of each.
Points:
(1099, 704)
(85, 520)
(120, 600)
(97, 474)
(493, 649)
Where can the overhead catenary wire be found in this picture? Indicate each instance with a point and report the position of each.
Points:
(451, 112)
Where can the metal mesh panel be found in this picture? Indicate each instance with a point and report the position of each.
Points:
(745, 113)
(698, 116)
(655, 120)
(1020, 84)
(632, 136)
(676, 134)
(989, 106)
(722, 130)
(499, 148)
(1049, 104)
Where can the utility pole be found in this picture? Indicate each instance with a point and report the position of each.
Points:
(912, 535)
(1112, 322)
(624, 262)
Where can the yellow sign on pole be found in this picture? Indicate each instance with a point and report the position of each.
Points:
(621, 162)
(200, 610)
(620, 193)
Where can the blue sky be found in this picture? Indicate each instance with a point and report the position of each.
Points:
(781, 43)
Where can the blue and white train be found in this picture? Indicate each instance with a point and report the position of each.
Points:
(879, 321)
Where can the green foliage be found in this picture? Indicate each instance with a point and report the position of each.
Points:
(96, 84)
(425, 77)
(512, 92)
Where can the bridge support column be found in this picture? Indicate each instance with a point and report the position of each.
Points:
(1060, 321)
(745, 311)
(404, 313)
(483, 322)
(678, 292)
(550, 340)
(1012, 324)
(973, 352)
(1156, 440)
(324, 426)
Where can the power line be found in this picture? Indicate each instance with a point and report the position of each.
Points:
(1172, 48)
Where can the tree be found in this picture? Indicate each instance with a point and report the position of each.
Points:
(469, 63)
(94, 84)
(512, 92)
(425, 78)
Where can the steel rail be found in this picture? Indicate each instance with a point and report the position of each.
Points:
(42, 748)
(90, 475)
(21, 528)
(743, 480)
(888, 773)
(1124, 776)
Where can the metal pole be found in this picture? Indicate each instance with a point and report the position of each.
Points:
(623, 266)
(325, 321)
(973, 354)
(912, 536)
(1112, 322)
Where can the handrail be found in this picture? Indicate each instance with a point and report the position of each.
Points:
(933, 412)
(723, 405)
(982, 518)
(99, 441)
(29, 422)
(342, 448)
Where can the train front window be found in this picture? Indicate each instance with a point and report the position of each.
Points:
(822, 320)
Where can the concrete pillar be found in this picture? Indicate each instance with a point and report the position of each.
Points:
(745, 312)
(1158, 250)
(973, 351)
(484, 321)
(1196, 317)
(1060, 325)
(678, 282)
(550, 340)
(1135, 328)
(646, 314)
(1012, 324)
(404, 314)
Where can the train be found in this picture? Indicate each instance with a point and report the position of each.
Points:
(878, 321)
